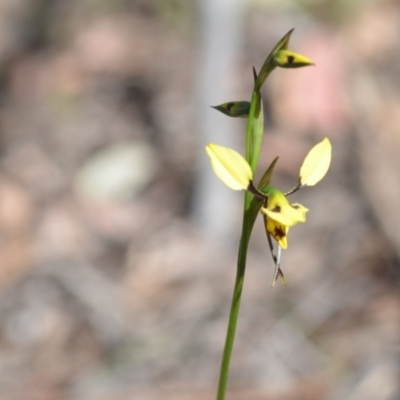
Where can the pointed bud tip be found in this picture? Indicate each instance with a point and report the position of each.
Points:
(289, 59)
(234, 109)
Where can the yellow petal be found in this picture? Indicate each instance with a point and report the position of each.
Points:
(288, 59)
(316, 164)
(288, 215)
(278, 232)
(230, 167)
(301, 209)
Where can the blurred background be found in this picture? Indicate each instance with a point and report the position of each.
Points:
(118, 245)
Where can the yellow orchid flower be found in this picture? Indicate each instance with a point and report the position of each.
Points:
(279, 214)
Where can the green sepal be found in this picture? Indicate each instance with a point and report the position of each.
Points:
(264, 187)
(234, 109)
(266, 178)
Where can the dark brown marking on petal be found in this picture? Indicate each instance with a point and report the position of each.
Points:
(229, 106)
(276, 209)
(290, 59)
(295, 206)
(279, 232)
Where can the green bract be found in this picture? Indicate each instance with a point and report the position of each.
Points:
(234, 108)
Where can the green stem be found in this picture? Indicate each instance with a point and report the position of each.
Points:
(237, 294)
(249, 129)
(254, 132)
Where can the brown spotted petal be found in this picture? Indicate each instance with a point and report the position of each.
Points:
(278, 232)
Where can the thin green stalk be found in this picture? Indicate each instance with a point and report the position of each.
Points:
(250, 125)
(254, 133)
(257, 129)
(237, 294)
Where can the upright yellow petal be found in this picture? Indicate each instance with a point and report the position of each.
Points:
(316, 164)
(230, 166)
